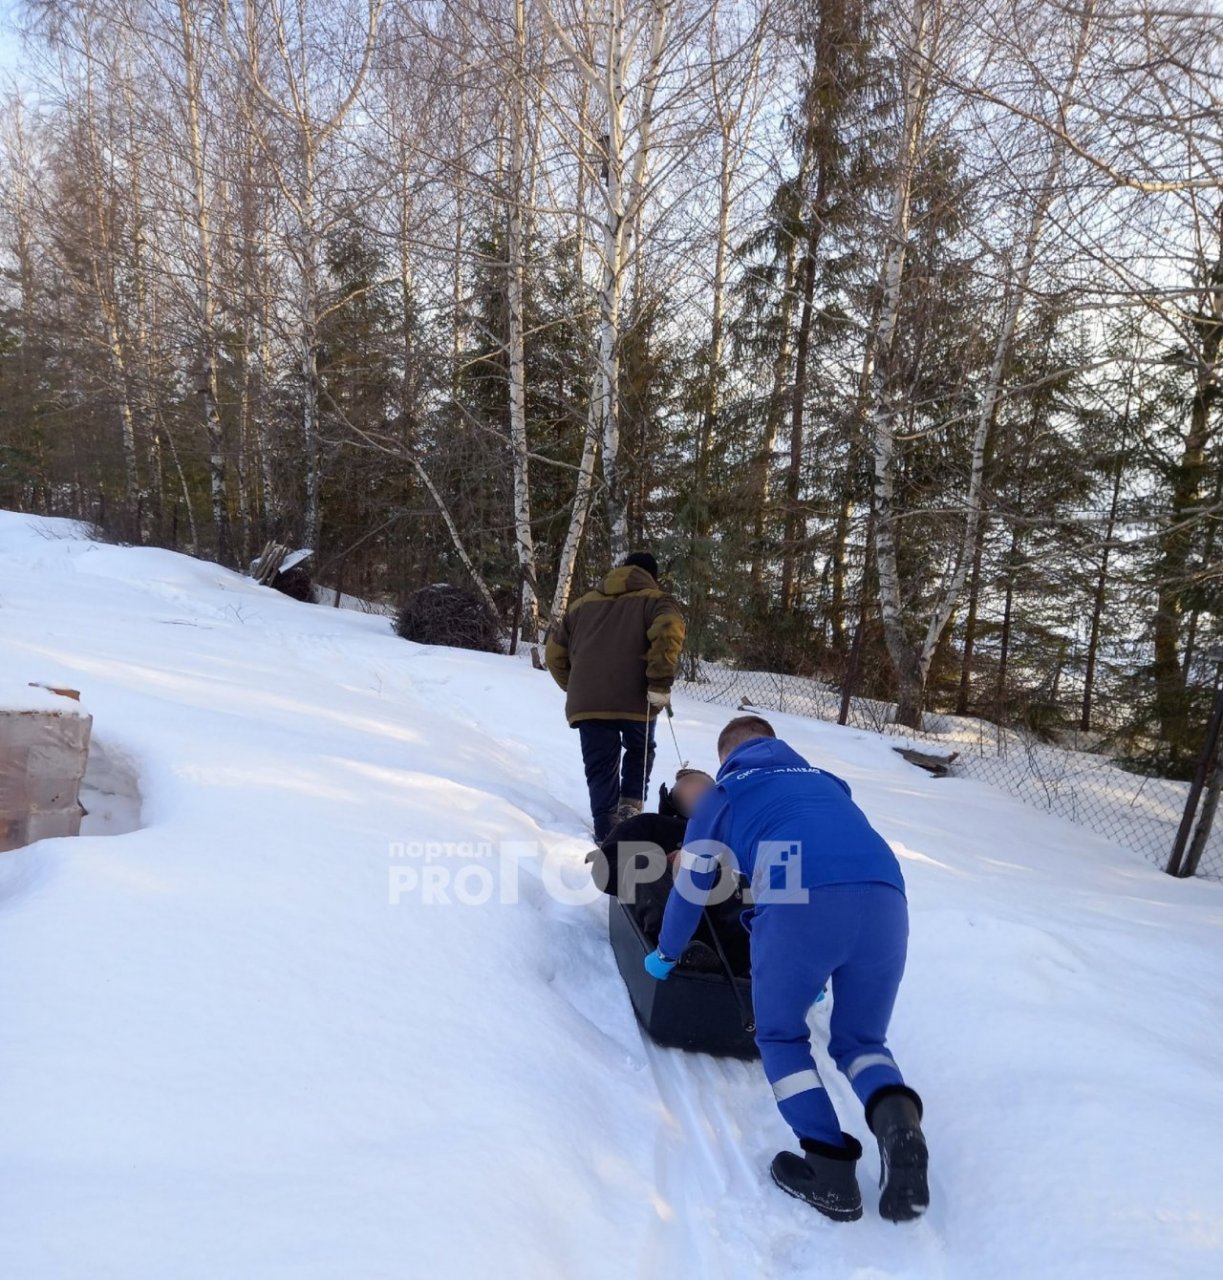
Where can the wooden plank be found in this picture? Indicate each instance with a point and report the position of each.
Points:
(939, 766)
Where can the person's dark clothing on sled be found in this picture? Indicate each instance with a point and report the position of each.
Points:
(637, 863)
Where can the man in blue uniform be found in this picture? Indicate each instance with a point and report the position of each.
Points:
(829, 902)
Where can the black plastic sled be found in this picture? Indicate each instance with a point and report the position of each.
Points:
(690, 1010)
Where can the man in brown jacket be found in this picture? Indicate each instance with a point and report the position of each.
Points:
(615, 653)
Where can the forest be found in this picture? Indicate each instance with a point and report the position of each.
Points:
(891, 326)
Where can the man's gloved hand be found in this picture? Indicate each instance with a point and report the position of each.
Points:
(658, 966)
(659, 698)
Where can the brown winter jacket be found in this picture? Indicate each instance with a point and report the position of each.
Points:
(614, 644)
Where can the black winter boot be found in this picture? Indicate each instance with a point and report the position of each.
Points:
(604, 824)
(894, 1115)
(824, 1176)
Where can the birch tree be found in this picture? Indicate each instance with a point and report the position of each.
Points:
(517, 184)
(305, 117)
(912, 661)
(916, 63)
(734, 86)
(1018, 288)
(631, 53)
(96, 260)
(180, 29)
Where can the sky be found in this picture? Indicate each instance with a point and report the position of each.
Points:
(9, 45)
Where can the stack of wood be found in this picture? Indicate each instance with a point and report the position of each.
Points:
(285, 570)
(269, 564)
(44, 747)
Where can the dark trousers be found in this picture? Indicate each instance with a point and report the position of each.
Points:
(618, 755)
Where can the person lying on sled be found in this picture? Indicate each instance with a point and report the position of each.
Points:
(637, 861)
(828, 901)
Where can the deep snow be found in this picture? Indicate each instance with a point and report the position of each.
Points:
(225, 1053)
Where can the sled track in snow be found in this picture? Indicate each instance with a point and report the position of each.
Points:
(703, 1176)
(718, 1215)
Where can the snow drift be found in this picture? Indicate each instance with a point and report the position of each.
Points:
(255, 1035)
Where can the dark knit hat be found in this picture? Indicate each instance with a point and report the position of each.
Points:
(643, 560)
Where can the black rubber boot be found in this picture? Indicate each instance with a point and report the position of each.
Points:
(894, 1115)
(604, 825)
(824, 1176)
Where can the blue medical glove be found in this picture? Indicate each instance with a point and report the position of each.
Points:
(658, 966)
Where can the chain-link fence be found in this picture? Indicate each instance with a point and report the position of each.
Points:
(1065, 775)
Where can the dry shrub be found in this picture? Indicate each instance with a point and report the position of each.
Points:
(442, 614)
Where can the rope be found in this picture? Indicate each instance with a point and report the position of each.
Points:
(645, 766)
(645, 756)
(683, 764)
(745, 1015)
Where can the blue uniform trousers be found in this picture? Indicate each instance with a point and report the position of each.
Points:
(856, 935)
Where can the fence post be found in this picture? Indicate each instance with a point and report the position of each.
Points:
(516, 620)
(1210, 750)
(1210, 807)
(851, 676)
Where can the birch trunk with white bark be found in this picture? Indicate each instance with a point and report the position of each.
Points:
(1004, 343)
(299, 183)
(516, 337)
(882, 411)
(623, 192)
(205, 300)
(912, 661)
(103, 262)
(734, 115)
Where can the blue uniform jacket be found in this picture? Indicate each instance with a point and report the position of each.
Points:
(788, 826)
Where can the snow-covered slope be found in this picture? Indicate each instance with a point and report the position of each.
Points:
(225, 1051)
